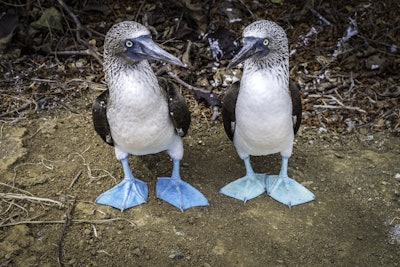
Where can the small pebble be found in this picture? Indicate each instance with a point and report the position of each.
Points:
(185, 164)
(137, 252)
(175, 254)
(339, 156)
(397, 176)
(191, 220)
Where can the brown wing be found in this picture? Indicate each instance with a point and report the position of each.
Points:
(178, 109)
(296, 103)
(228, 109)
(99, 116)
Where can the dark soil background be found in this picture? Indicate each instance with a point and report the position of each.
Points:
(344, 56)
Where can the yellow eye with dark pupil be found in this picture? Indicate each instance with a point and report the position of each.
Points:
(243, 40)
(265, 42)
(128, 43)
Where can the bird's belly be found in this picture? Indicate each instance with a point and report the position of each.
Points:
(141, 132)
(256, 137)
(263, 126)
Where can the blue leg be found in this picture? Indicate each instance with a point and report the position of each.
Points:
(128, 193)
(177, 192)
(247, 187)
(286, 190)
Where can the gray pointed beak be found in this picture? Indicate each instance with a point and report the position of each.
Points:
(250, 48)
(143, 47)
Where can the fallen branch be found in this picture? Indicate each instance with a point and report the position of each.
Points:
(86, 52)
(200, 93)
(166, 68)
(69, 108)
(16, 188)
(30, 198)
(67, 216)
(89, 169)
(75, 179)
(79, 28)
(340, 107)
(323, 19)
(185, 84)
(27, 105)
(63, 222)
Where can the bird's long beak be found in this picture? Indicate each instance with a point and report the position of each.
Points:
(145, 48)
(249, 49)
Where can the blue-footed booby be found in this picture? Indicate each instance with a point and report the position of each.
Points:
(140, 115)
(263, 113)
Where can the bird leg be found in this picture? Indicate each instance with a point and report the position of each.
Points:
(178, 192)
(128, 193)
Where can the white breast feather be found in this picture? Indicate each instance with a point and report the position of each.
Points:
(138, 116)
(263, 116)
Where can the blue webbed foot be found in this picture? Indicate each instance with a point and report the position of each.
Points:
(178, 192)
(286, 190)
(245, 188)
(128, 193)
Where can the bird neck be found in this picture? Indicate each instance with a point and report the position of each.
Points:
(271, 68)
(120, 74)
(273, 61)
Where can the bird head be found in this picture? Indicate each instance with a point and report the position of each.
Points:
(131, 41)
(262, 40)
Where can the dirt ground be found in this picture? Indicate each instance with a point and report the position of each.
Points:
(353, 222)
(53, 165)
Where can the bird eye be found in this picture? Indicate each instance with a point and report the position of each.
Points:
(128, 43)
(243, 40)
(265, 42)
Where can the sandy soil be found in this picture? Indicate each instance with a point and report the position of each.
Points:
(57, 165)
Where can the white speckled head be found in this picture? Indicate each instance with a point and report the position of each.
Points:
(113, 43)
(264, 29)
(270, 30)
(265, 44)
(128, 45)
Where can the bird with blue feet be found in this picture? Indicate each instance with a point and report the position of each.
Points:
(262, 113)
(139, 114)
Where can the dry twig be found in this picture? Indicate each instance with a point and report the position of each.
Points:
(30, 198)
(63, 222)
(322, 18)
(341, 105)
(75, 179)
(68, 218)
(79, 28)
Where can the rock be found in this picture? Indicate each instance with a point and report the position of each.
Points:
(11, 146)
(175, 254)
